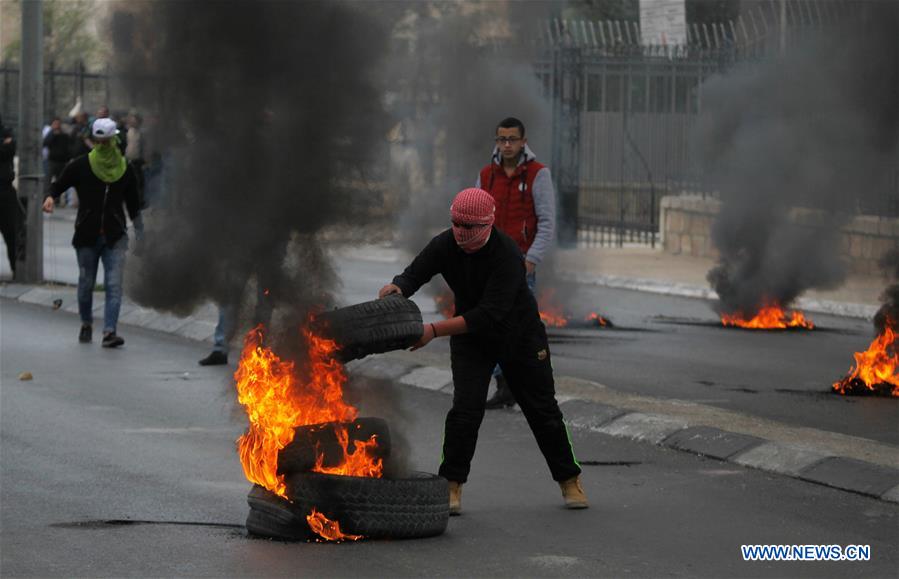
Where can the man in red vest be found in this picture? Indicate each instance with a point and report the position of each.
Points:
(525, 200)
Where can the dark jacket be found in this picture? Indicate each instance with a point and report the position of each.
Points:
(100, 204)
(59, 147)
(490, 286)
(79, 133)
(7, 152)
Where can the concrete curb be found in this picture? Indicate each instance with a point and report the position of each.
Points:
(794, 461)
(198, 327)
(806, 464)
(842, 309)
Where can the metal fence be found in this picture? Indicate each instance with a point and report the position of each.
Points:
(623, 112)
(62, 88)
(621, 126)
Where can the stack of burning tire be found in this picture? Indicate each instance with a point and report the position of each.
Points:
(319, 501)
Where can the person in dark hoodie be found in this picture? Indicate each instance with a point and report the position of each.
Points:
(59, 150)
(11, 214)
(105, 184)
(496, 322)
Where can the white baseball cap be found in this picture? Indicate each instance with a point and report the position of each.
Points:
(104, 129)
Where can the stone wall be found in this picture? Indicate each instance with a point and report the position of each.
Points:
(686, 221)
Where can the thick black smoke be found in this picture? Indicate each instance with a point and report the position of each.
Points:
(264, 113)
(888, 314)
(469, 67)
(815, 129)
(465, 68)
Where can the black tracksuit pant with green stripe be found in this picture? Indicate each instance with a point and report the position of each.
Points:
(527, 366)
(504, 328)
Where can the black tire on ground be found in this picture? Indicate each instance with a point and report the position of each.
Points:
(393, 323)
(271, 516)
(300, 454)
(376, 508)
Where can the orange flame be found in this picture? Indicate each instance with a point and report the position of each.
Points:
(327, 529)
(362, 462)
(553, 318)
(277, 400)
(770, 317)
(875, 369)
(597, 319)
(551, 313)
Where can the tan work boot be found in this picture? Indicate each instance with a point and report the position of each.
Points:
(573, 493)
(455, 498)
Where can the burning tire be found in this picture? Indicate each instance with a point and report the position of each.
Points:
(392, 323)
(271, 516)
(321, 439)
(376, 508)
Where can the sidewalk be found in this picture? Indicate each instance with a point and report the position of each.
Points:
(637, 268)
(641, 268)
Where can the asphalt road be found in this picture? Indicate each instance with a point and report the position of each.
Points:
(672, 347)
(144, 434)
(665, 347)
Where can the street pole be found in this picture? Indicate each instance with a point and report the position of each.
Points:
(31, 107)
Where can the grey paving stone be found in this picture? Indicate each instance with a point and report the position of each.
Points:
(40, 296)
(208, 312)
(586, 414)
(428, 377)
(201, 330)
(891, 495)
(71, 306)
(643, 426)
(164, 322)
(713, 442)
(780, 458)
(853, 475)
(99, 303)
(139, 317)
(13, 290)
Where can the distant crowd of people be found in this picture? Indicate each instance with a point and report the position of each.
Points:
(66, 140)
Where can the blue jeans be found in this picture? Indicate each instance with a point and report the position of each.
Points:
(223, 329)
(113, 272)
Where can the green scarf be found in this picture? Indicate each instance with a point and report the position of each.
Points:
(107, 161)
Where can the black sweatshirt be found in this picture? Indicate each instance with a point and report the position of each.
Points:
(490, 286)
(99, 204)
(59, 147)
(7, 153)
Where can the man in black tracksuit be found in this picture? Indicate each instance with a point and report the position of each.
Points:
(496, 321)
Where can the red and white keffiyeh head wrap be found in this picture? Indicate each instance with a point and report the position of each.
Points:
(473, 213)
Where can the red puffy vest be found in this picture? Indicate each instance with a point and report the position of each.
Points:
(515, 214)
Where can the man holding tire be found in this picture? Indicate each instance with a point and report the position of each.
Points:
(497, 322)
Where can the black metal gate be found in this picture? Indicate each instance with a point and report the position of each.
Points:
(623, 111)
